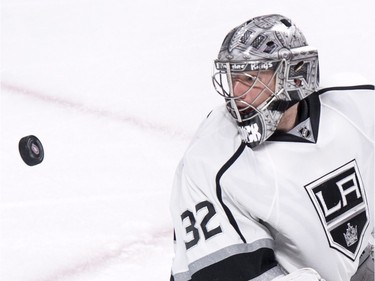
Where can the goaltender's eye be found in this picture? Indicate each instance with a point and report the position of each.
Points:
(248, 78)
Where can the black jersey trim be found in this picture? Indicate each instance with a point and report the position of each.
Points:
(219, 191)
(237, 262)
(239, 267)
(311, 108)
(345, 88)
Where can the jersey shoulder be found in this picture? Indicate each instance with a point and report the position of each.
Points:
(214, 143)
(216, 137)
(355, 103)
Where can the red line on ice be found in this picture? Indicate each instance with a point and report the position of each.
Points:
(102, 259)
(98, 112)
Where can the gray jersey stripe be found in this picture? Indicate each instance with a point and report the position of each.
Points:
(221, 255)
(183, 276)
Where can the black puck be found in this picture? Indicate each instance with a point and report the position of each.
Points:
(31, 150)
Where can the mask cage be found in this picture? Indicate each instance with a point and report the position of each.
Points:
(262, 75)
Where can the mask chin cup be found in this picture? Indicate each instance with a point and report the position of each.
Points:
(257, 129)
(252, 132)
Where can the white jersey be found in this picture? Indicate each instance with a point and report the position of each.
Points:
(301, 199)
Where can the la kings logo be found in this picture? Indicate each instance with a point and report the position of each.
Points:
(340, 200)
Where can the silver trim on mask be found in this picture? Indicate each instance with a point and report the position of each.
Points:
(266, 43)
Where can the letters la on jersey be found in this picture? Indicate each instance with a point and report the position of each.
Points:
(340, 200)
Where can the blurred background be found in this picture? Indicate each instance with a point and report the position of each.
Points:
(115, 90)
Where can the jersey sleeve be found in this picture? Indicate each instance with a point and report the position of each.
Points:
(209, 234)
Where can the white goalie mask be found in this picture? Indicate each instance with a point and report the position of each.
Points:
(263, 68)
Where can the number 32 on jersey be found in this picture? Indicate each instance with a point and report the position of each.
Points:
(199, 222)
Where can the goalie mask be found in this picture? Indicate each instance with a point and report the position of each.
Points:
(263, 68)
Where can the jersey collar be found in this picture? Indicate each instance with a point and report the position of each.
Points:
(307, 127)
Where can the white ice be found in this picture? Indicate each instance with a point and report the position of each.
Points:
(114, 89)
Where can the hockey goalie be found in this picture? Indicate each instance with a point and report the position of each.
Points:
(278, 182)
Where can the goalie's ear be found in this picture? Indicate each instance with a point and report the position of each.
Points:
(303, 274)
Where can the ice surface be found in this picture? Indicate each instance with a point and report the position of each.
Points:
(114, 90)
